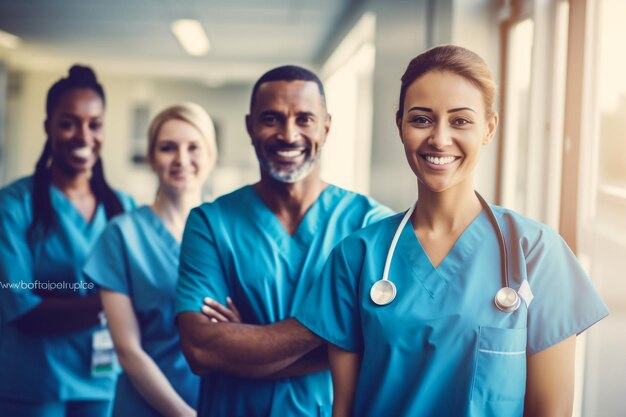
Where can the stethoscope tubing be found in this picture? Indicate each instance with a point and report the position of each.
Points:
(504, 265)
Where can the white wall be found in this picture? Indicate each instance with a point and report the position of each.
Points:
(401, 33)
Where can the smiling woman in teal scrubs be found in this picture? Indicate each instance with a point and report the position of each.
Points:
(442, 347)
(135, 263)
(49, 363)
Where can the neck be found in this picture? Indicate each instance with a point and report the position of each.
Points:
(173, 209)
(290, 202)
(447, 210)
(72, 185)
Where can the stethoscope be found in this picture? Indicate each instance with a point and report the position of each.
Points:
(507, 299)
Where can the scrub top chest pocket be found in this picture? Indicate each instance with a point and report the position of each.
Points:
(500, 365)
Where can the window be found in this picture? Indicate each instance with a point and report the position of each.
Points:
(348, 78)
(515, 132)
(611, 101)
(532, 107)
(602, 199)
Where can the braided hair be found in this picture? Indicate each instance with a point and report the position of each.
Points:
(79, 77)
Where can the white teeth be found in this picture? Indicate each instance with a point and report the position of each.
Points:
(289, 154)
(84, 152)
(444, 160)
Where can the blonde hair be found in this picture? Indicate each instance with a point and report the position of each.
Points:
(190, 113)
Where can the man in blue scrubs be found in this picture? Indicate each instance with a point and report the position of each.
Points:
(262, 247)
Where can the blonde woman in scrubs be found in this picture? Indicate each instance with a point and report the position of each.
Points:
(135, 264)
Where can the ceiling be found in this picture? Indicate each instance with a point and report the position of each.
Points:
(134, 36)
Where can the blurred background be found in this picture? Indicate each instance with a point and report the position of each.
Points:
(560, 66)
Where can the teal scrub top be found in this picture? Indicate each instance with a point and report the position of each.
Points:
(237, 247)
(46, 368)
(442, 348)
(137, 256)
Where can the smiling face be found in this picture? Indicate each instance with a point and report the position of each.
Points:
(75, 129)
(180, 157)
(443, 128)
(288, 124)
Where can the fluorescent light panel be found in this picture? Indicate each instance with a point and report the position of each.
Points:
(8, 40)
(191, 36)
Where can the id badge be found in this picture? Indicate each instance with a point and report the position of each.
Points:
(103, 359)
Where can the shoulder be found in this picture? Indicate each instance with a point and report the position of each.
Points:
(526, 232)
(129, 228)
(235, 204)
(355, 203)
(129, 218)
(334, 192)
(128, 202)
(374, 235)
(18, 190)
(384, 227)
(366, 243)
(16, 197)
(234, 201)
(514, 218)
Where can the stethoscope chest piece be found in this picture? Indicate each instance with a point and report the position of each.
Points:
(383, 292)
(507, 300)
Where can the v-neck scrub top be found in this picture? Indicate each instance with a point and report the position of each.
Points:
(237, 247)
(442, 348)
(137, 256)
(46, 368)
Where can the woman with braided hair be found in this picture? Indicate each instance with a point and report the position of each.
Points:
(55, 353)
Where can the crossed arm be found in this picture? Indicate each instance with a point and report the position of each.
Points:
(217, 341)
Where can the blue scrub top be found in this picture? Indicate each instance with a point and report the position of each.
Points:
(237, 247)
(442, 348)
(137, 256)
(46, 368)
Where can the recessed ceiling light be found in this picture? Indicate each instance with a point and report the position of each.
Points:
(191, 36)
(8, 40)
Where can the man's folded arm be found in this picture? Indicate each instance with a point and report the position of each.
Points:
(251, 351)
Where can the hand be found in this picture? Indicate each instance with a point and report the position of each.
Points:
(220, 314)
